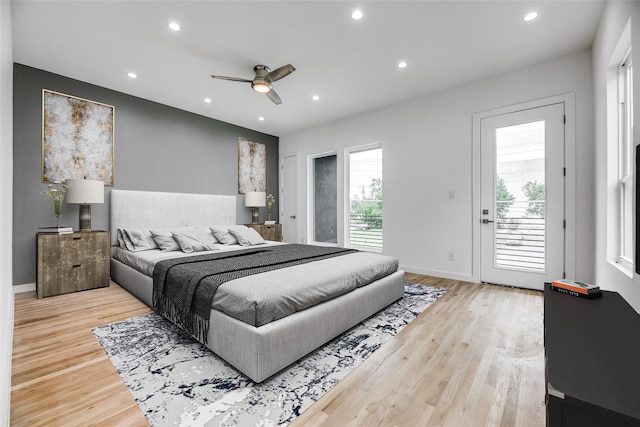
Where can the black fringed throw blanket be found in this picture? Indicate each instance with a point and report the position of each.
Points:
(183, 288)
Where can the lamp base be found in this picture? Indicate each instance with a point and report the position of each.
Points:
(85, 218)
(255, 215)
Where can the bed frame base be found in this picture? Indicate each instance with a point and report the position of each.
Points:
(260, 352)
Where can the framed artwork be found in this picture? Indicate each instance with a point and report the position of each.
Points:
(252, 166)
(77, 138)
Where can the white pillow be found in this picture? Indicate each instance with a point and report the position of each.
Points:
(138, 240)
(164, 239)
(246, 236)
(189, 243)
(202, 234)
(223, 236)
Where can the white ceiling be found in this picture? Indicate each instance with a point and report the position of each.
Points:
(351, 65)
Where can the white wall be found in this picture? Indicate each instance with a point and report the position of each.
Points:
(613, 21)
(6, 185)
(427, 146)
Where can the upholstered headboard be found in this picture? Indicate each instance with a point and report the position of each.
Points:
(150, 209)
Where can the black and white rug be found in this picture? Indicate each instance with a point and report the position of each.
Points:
(176, 381)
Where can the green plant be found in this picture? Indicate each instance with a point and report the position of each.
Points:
(56, 191)
(270, 201)
(535, 193)
(504, 199)
(369, 209)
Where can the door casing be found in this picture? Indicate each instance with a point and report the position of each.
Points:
(532, 278)
(288, 202)
(570, 177)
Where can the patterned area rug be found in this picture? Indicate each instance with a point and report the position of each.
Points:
(176, 381)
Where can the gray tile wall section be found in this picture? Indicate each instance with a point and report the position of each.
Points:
(157, 148)
(325, 173)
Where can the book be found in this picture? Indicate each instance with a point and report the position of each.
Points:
(595, 294)
(56, 230)
(575, 286)
(269, 222)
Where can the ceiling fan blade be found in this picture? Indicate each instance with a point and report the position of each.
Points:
(233, 79)
(281, 72)
(274, 97)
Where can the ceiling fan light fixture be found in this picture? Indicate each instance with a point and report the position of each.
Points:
(261, 87)
(261, 83)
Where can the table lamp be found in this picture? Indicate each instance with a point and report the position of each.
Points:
(84, 192)
(254, 200)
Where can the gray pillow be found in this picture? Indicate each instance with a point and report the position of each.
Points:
(189, 244)
(246, 236)
(121, 241)
(138, 240)
(165, 241)
(223, 236)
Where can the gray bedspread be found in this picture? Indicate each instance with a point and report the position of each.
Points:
(183, 288)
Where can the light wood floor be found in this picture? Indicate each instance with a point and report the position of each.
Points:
(474, 358)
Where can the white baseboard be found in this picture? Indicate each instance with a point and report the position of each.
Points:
(436, 273)
(26, 287)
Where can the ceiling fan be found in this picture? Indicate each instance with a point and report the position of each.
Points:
(261, 83)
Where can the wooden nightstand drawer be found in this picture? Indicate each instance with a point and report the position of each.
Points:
(72, 262)
(71, 278)
(268, 231)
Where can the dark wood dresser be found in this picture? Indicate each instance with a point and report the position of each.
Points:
(72, 262)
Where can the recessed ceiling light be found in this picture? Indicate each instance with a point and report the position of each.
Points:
(207, 100)
(132, 75)
(530, 16)
(316, 97)
(357, 14)
(402, 64)
(174, 26)
(261, 118)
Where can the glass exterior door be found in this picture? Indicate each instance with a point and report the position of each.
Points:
(522, 196)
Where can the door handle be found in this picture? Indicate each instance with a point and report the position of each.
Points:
(486, 221)
(292, 217)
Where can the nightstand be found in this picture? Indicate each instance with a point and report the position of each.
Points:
(72, 262)
(268, 231)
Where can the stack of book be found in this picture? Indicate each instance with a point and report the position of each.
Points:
(55, 230)
(576, 289)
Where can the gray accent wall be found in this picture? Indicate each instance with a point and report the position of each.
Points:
(157, 148)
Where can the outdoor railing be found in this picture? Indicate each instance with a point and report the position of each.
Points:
(520, 235)
(365, 231)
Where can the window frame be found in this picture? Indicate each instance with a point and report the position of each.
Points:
(625, 253)
(347, 194)
(311, 199)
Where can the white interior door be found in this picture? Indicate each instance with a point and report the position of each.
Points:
(289, 198)
(522, 197)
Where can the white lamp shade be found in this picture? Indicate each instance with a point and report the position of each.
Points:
(84, 191)
(254, 199)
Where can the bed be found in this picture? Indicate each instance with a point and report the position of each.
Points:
(257, 351)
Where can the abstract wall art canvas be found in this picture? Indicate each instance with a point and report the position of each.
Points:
(77, 138)
(252, 166)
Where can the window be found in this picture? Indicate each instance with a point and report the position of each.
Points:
(620, 155)
(364, 184)
(625, 159)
